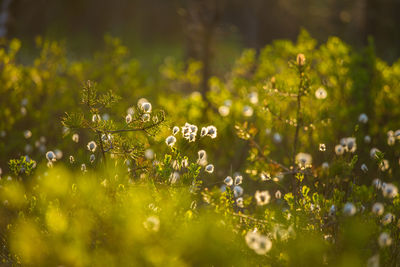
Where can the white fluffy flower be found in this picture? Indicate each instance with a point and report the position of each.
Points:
(92, 146)
(262, 197)
(146, 107)
(248, 111)
(50, 156)
(224, 111)
(75, 137)
(384, 240)
(321, 93)
(128, 118)
(170, 140)
(96, 118)
(349, 209)
(304, 160)
(209, 168)
(378, 208)
(212, 131)
(228, 181)
(363, 118)
(238, 191)
(364, 168)
(175, 130)
(389, 190)
(92, 158)
(339, 150)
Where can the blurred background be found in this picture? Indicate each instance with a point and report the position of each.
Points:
(216, 29)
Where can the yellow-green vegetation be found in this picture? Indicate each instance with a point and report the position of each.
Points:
(291, 158)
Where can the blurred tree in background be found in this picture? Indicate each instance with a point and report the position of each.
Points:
(251, 23)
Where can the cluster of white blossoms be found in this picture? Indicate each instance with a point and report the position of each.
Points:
(261, 244)
(347, 144)
(189, 132)
(389, 190)
(392, 137)
(303, 160)
(234, 184)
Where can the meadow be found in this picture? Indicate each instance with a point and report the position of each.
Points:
(289, 158)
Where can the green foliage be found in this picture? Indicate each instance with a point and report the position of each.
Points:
(283, 162)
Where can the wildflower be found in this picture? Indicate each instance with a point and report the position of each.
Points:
(209, 168)
(51, 156)
(149, 153)
(248, 111)
(364, 168)
(349, 209)
(59, 154)
(277, 138)
(27, 134)
(391, 140)
(92, 158)
(146, 117)
(128, 118)
(325, 165)
(252, 239)
(389, 190)
(228, 102)
(262, 197)
(238, 191)
(265, 176)
(253, 96)
(192, 137)
(212, 131)
(238, 179)
(322, 147)
(152, 224)
(83, 167)
(106, 116)
(378, 208)
(397, 134)
(174, 177)
(300, 59)
(339, 150)
(224, 111)
(170, 141)
(384, 165)
(240, 202)
(367, 139)
(96, 118)
(203, 131)
(175, 130)
(384, 240)
(228, 181)
(373, 152)
(388, 218)
(92, 146)
(75, 138)
(146, 107)
(130, 111)
(349, 144)
(202, 154)
(264, 245)
(185, 163)
(28, 148)
(304, 160)
(321, 93)
(71, 159)
(377, 183)
(363, 118)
